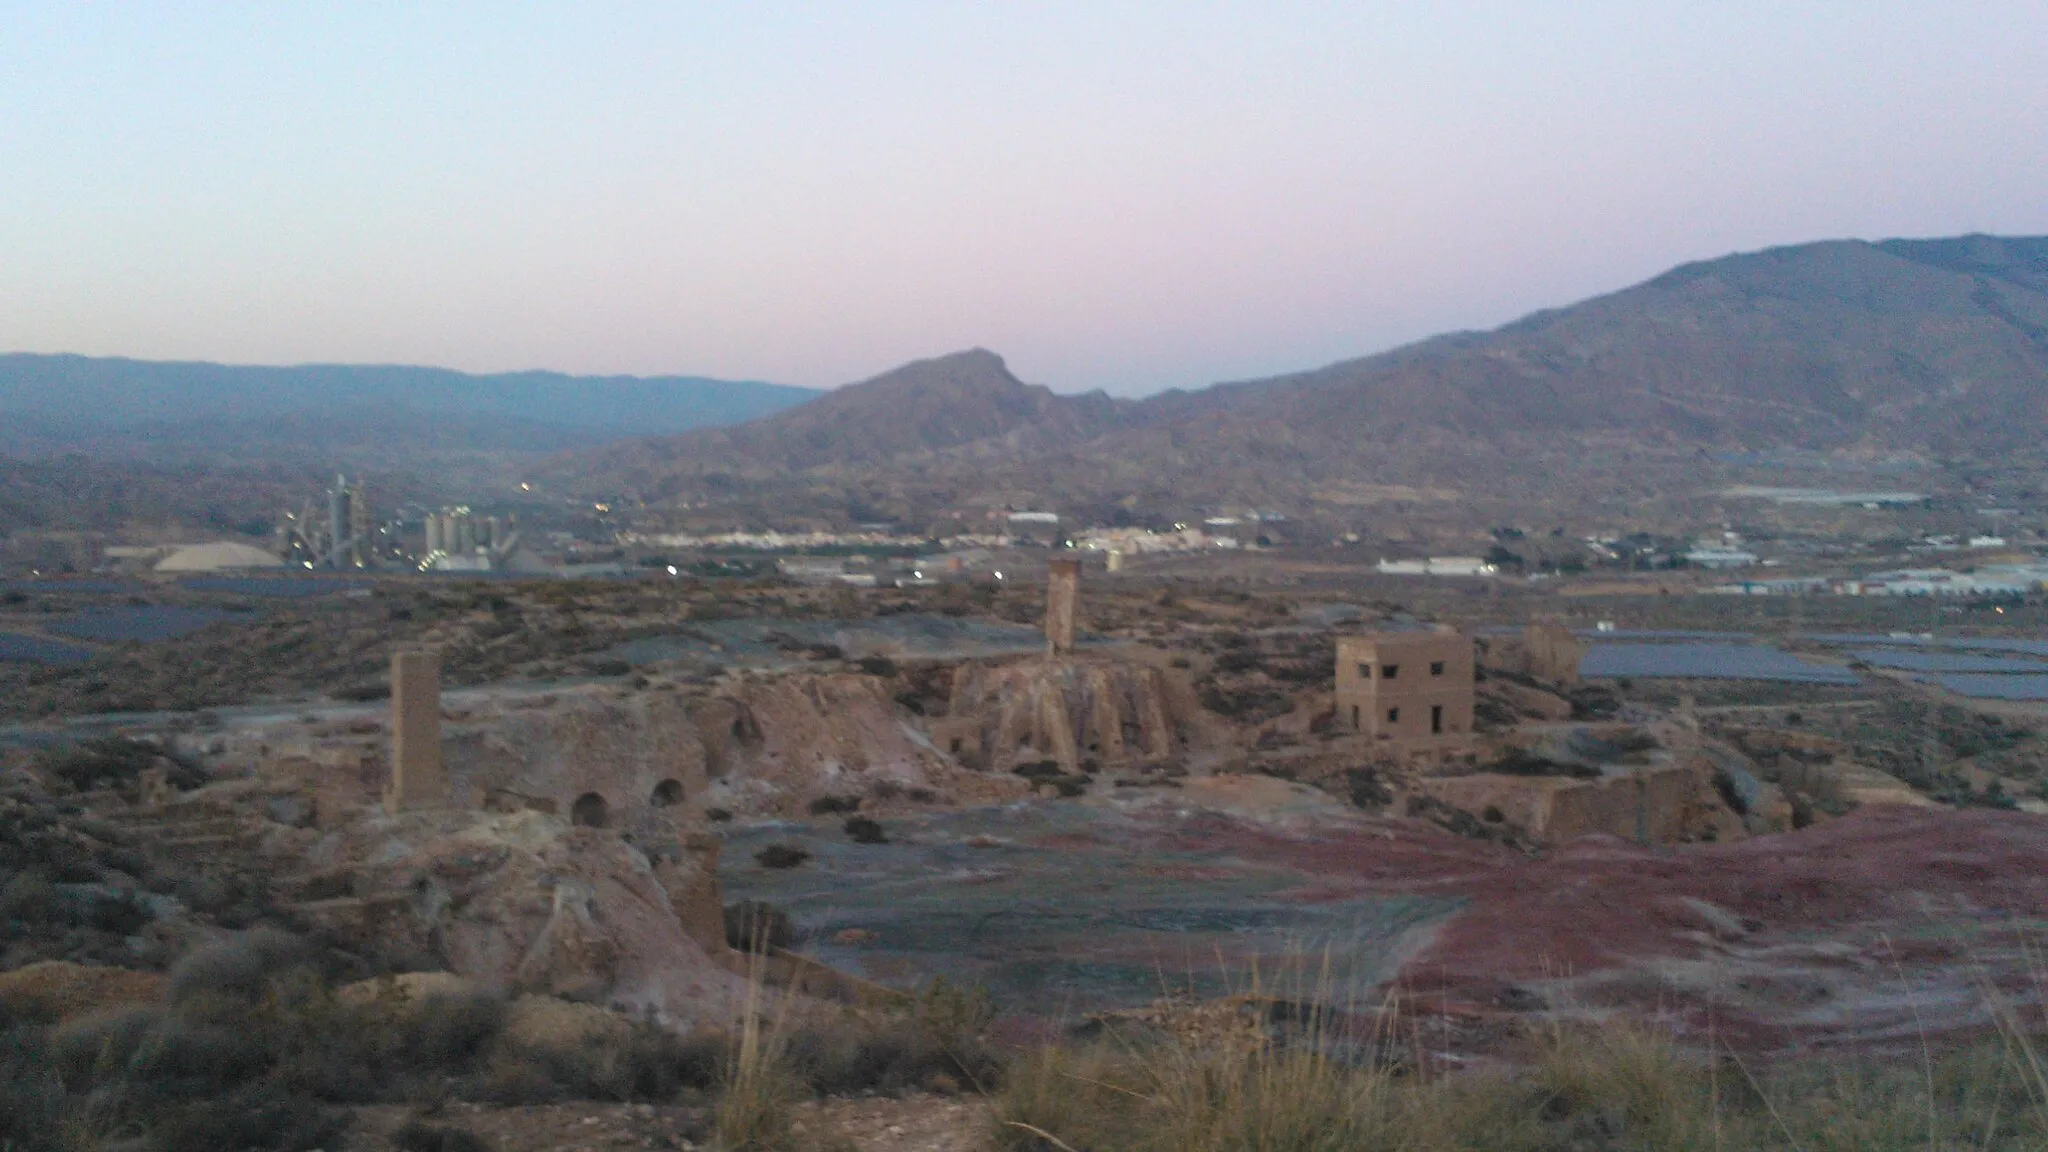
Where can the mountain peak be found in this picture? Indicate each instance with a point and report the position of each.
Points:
(921, 407)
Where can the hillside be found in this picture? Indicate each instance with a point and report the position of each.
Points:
(1935, 348)
(51, 404)
(919, 410)
(1930, 345)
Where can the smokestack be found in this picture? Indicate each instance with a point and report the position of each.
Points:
(337, 520)
(1062, 589)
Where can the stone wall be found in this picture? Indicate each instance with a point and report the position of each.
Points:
(1102, 710)
(1553, 653)
(1662, 803)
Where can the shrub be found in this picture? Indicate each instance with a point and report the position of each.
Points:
(256, 1116)
(834, 805)
(940, 1041)
(754, 1110)
(449, 1028)
(363, 691)
(239, 967)
(1521, 762)
(781, 856)
(866, 831)
(1367, 790)
(31, 1095)
(752, 924)
(418, 1137)
(113, 761)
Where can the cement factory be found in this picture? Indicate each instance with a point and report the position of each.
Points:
(348, 537)
(343, 538)
(457, 541)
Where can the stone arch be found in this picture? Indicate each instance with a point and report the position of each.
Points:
(667, 794)
(590, 811)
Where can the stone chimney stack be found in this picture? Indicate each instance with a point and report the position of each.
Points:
(1062, 589)
(418, 779)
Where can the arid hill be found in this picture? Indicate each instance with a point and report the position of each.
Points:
(1937, 348)
(1936, 344)
(922, 408)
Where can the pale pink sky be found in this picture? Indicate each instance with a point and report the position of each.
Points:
(1126, 196)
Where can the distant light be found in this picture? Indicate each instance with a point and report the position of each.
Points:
(999, 575)
(671, 569)
(919, 576)
(525, 487)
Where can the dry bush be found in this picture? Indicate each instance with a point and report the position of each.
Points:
(940, 1043)
(1619, 1088)
(781, 856)
(756, 925)
(415, 1136)
(866, 830)
(759, 1090)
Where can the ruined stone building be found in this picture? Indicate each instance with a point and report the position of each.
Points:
(1081, 713)
(1553, 652)
(1413, 689)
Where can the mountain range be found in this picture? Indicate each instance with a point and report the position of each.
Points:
(200, 411)
(1930, 349)
(1844, 354)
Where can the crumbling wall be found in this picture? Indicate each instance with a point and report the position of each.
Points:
(1659, 803)
(1076, 711)
(809, 736)
(610, 761)
(760, 746)
(1553, 653)
(1663, 804)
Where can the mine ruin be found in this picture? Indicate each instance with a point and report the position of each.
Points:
(1412, 690)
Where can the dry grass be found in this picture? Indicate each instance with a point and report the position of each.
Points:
(1618, 1087)
(760, 1092)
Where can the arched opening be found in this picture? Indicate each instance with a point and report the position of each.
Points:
(589, 811)
(667, 794)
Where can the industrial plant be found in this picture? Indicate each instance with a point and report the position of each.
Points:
(342, 538)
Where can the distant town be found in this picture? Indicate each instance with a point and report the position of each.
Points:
(1989, 552)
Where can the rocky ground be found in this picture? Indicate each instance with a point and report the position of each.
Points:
(915, 1123)
(1880, 910)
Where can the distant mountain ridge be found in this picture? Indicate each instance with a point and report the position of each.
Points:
(1917, 346)
(923, 407)
(1935, 344)
(61, 402)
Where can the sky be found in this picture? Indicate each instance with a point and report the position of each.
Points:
(1127, 196)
